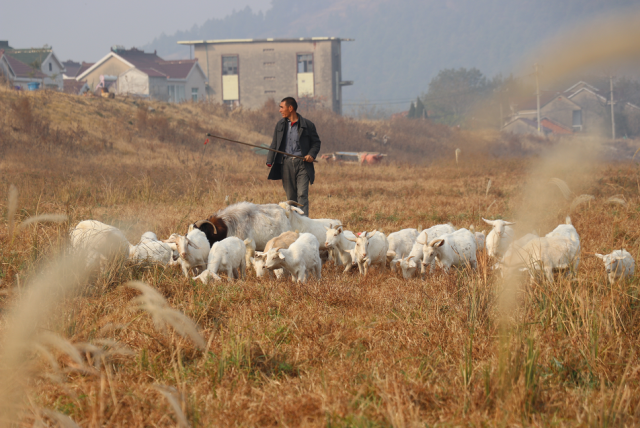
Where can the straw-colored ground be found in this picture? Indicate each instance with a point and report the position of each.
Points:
(463, 348)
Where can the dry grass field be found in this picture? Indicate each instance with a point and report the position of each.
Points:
(464, 348)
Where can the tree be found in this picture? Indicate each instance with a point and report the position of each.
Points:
(454, 93)
(420, 109)
(412, 111)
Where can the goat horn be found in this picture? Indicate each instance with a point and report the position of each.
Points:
(294, 203)
(215, 230)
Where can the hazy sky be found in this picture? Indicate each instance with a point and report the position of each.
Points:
(84, 30)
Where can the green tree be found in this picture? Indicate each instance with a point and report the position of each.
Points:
(420, 109)
(412, 111)
(454, 93)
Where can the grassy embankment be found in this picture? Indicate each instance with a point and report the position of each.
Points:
(462, 348)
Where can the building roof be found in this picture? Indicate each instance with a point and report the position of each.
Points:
(4, 44)
(530, 123)
(585, 89)
(555, 127)
(32, 57)
(584, 85)
(179, 69)
(19, 68)
(149, 63)
(300, 39)
(72, 68)
(84, 67)
(151, 72)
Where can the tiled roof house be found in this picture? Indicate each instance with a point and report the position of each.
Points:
(44, 60)
(139, 73)
(17, 72)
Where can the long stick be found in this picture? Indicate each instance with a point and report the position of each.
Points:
(259, 147)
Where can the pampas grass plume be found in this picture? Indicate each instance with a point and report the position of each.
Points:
(12, 204)
(579, 201)
(564, 188)
(161, 313)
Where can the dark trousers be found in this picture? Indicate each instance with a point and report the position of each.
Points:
(296, 182)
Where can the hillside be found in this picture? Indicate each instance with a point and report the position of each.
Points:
(400, 46)
(138, 344)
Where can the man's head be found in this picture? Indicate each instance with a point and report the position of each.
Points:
(288, 107)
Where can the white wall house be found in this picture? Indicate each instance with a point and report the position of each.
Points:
(18, 73)
(44, 60)
(147, 75)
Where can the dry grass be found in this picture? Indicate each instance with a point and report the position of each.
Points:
(346, 351)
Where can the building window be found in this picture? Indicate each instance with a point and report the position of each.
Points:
(194, 94)
(229, 65)
(50, 67)
(305, 63)
(176, 93)
(306, 81)
(230, 80)
(577, 119)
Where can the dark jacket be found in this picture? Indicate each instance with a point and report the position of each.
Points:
(309, 145)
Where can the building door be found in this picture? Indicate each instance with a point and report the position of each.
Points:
(305, 75)
(230, 83)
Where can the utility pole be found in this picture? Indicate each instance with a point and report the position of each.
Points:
(613, 119)
(538, 99)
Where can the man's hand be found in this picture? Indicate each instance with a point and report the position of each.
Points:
(309, 158)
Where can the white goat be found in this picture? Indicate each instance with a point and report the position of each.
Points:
(340, 242)
(151, 249)
(260, 258)
(400, 243)
(558, 250)
(98, 242)
(226, 256)
(193, 251)
(315, 226)
(410, 264)
(371, 249)
(517, 244)
(619, 265)
(481, 238)
(301, 258)
(499, 238)
(452, 249)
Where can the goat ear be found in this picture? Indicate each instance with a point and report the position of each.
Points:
(487, 221)
(327, 228)
(509, 223)
(600, 256)
(189, 242)
(339, 229)
(351, 239)
(298, 210)
(418, 241)
(280, 255)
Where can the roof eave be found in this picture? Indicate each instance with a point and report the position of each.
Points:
(300, 39)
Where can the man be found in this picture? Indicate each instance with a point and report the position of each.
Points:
(297, 136)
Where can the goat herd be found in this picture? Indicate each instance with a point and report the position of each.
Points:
(279, 239)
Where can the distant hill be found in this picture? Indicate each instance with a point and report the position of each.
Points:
(401, 45)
